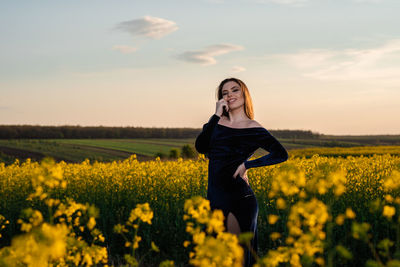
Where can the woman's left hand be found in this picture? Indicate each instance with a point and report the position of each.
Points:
(241, 170)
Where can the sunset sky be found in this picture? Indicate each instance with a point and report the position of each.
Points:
(329, 66)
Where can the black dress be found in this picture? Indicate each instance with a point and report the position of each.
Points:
(227, 148)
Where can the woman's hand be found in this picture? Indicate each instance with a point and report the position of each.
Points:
(219, 107)
(241, 170)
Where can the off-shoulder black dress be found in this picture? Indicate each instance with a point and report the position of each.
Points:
(227, 148)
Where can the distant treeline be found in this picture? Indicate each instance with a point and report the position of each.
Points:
(71, 132)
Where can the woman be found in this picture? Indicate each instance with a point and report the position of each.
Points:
(229, 139)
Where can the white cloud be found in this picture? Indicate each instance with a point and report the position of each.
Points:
(151, 27)
(285, 2)
(368, 1)
(237, 69)
(125, 49)
(206, 56)
(299, 3)
(381, 63)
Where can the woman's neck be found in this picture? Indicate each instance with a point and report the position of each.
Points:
(236, 116)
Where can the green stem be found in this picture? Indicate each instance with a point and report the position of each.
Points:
(51, 215)
(331, 250)
(144, 256)
(371, 246)
(252, 251)
(397, 237)
(134, 237)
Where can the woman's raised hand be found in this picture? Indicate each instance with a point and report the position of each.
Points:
(242, 172)
(220, 105)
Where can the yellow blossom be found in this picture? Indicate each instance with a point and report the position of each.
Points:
(350, 213)
(388, 211)
(91, 223)
(280, 203)
(340, 219)
(272, 218)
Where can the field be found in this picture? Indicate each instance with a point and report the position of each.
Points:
(77, 150)
(313, 211)
(107, 150)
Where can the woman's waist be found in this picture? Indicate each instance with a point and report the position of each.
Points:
(237, 188)
(225, 162)
(227, 153)
(228, 183)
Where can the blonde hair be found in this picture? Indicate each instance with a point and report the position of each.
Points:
(248, 104)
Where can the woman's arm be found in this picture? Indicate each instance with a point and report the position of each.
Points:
(202, 143)
(277, 153)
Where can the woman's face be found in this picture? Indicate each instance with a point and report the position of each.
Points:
(232, 93)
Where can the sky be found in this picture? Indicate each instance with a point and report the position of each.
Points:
(329, 66)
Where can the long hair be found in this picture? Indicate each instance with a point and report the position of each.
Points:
(248, 104)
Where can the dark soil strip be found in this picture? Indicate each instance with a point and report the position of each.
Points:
(153, 143)
(111, 151)
(37, 156)
(24, 154)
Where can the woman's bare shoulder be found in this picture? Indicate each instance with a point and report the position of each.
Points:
(253, 123)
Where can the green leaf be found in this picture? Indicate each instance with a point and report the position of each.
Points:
(360, 231)
(131, 260)
(372, 263)
(393, 263)
(167, 263)
(245, 238)
(344, 252)
(384, 245)
(154, 247)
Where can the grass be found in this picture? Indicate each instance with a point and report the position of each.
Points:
(106, 150)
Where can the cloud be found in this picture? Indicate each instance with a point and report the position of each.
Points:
(381, 62)
(125, 49)
(237, 69)
(300, 3)
(285, 2)
(206, 56)
(151, 27)
(368, 1)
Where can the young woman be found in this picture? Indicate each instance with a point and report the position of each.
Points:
(229, 139)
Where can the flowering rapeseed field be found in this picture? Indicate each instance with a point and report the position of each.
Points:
(319, 211)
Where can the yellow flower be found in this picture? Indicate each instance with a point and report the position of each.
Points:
(91, 223)
(388, 211)
(280, 203)
(101, 238)
(340, 219)
(320, 261)
(272, 218)
(350, 213)
(143, 212)
(275, 235)
(198, 238)
(389, 198)
(216, 222)
(136, 241)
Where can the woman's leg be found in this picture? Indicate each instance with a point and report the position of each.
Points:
(243, 218)
(233, 224)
